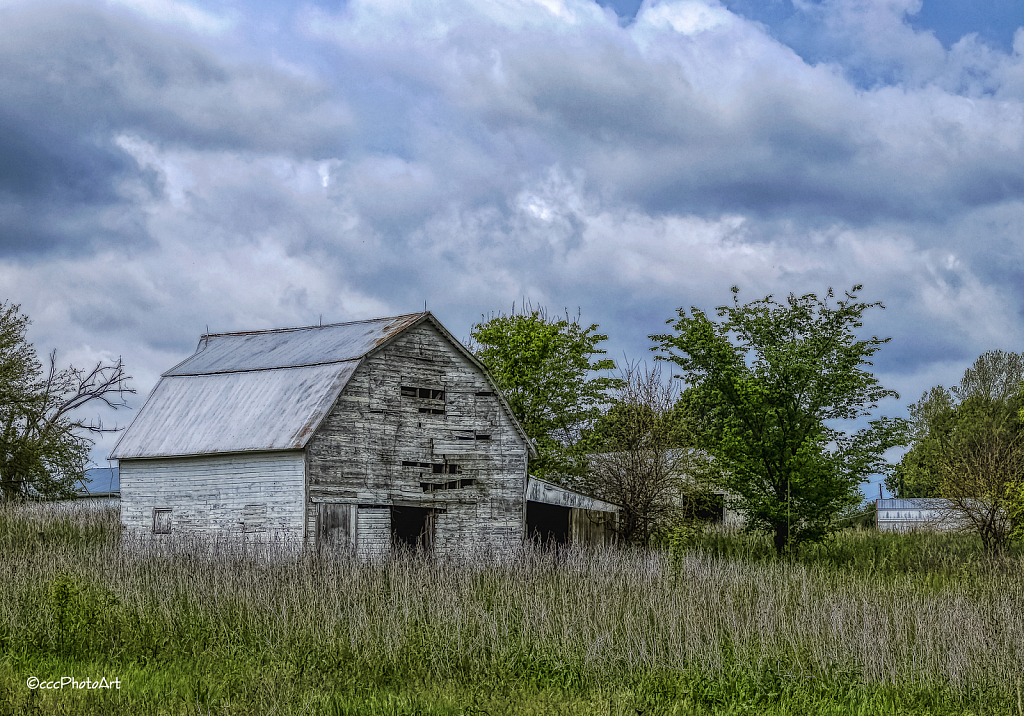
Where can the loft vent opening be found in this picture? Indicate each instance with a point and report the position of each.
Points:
(431, 487)
(409, 391)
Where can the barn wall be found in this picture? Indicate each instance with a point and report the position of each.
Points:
(374, 532)
(252, 494)
(358, 452)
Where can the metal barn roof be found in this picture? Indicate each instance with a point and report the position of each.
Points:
(261, 390)
(234, 412)
(253, 391)
(550, 494)
(291, 347)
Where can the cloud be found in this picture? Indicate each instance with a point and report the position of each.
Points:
(178, 13)
(157, 178)
(76, 79)
(719, 118)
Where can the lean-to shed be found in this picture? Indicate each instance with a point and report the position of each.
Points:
(364, 433)
(557, 515)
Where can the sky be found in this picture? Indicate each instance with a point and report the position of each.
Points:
(171, 168)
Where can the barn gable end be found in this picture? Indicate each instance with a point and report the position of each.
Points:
(420, 430)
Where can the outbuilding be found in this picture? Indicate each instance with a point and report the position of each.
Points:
(365, 434)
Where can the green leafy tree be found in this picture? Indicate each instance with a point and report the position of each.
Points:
(44, 447)
(981, 462)
(993, 379)
(783, 377)
(918, 473)
(546, 370)
(995, 376)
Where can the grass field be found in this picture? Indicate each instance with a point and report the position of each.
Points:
(869, 624)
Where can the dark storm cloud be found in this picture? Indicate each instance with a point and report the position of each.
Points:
(75, 79)
(85, 72)
(54, 184)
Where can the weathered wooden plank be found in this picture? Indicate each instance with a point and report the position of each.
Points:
(373, 538)
(257, 493)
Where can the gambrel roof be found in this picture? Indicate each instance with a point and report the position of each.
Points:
(262, 390)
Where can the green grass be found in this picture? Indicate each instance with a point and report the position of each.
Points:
(869, 624)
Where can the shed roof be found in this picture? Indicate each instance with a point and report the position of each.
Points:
(550, 494)
(260, 390)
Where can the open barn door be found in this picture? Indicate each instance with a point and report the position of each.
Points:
(548, 524)
(413, 528)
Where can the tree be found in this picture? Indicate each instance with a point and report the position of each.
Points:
(968, 448)
(981, 460)
(995, 377)
(918, 473)
(783, 375)
(644, 464)
(43, 447)
(545, 368)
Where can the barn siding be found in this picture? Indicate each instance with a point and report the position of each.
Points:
(357, 453)
(256, 494)
(374, 532)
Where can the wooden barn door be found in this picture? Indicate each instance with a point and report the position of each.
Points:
(335, 525)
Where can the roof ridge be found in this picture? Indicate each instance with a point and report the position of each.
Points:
(169, 374)
(310, 328)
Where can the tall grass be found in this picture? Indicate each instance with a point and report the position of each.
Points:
(857, 616)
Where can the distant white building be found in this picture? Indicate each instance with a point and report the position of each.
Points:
(914, 513)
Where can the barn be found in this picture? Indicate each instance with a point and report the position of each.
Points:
(366, 434)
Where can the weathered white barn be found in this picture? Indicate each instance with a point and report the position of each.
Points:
(366, 434)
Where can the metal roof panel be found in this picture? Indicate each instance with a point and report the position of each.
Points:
(550, 494)
(313, 345)
(272, 409)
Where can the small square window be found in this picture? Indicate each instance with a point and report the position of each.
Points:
(161, 521)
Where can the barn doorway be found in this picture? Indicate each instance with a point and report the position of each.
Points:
(548, 524)
(413, 528)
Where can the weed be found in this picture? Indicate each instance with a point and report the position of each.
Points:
(869, 623)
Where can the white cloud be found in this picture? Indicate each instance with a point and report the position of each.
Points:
(178, 13)
(688, 17)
